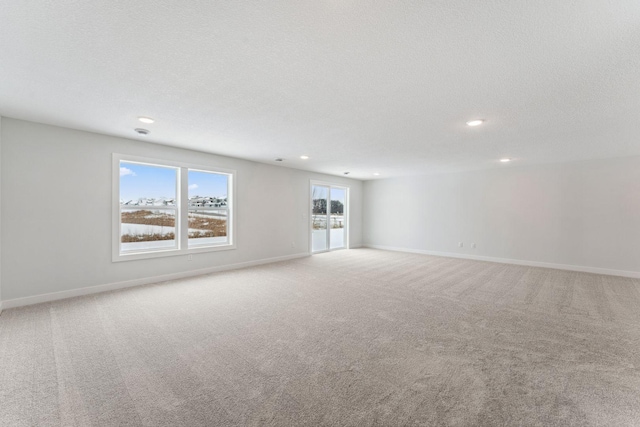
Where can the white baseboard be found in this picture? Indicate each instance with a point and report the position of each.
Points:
(54, 296)
(583, 269)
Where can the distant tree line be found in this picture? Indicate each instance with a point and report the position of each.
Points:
(320, 207)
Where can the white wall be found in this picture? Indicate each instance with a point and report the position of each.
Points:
(0, 215)
(584, 214)
(56, 210)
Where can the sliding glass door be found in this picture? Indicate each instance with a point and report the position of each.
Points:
(328, 217)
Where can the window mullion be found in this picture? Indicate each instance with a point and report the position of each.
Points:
(183, 208)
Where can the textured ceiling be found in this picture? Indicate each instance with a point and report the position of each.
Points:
(357, 87)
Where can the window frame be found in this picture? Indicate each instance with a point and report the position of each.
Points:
(181, 209)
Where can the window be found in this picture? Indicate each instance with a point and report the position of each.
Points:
(148, 208)
(208, 208)
(165, 208)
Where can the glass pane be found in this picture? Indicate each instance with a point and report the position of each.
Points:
(147, 185)
(337, 224)
(208, 208)
(144, 191)
(208, 227)
(147, 229)
(319, 196)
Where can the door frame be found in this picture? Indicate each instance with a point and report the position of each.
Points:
(347, 191)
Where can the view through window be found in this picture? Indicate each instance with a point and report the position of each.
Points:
(148, 207)
(328, 220)
(151, 201)
(208, 208)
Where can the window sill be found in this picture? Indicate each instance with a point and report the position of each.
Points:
(169, 253)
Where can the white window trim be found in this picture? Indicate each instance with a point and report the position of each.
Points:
(181, 207)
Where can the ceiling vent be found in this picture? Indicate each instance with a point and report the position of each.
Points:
(142, 131)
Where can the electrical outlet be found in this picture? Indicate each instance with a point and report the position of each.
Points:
(473, 245)
(293, 244)
(460, 244)
(189, 257)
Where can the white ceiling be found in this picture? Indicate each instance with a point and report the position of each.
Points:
(357, 87)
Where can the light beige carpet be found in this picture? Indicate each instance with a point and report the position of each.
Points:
(354, 338)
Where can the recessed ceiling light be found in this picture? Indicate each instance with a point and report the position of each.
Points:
(146, 119)
(376, 173)
(304, 157)
(142, 131)
(476, 122)
(505, 160)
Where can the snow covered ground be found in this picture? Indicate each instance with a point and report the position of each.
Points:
(208, 241)
(335, 220)
(153, 245)
(142, 229)
(170, 244)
